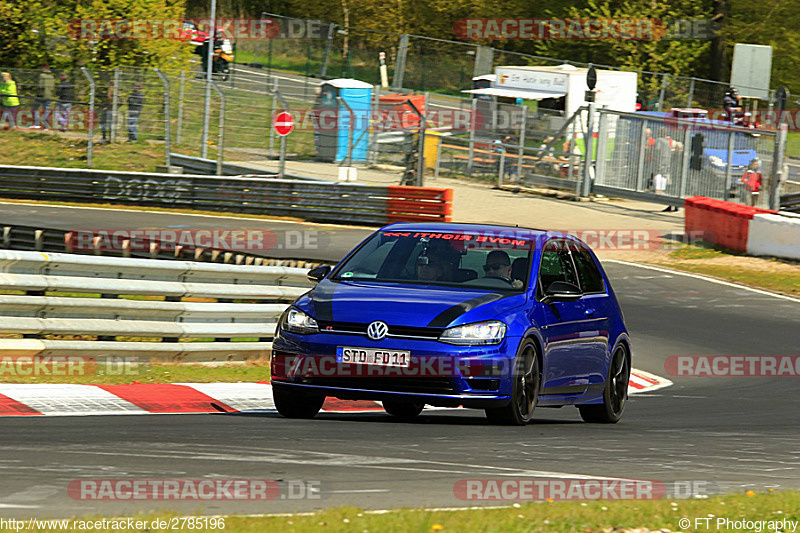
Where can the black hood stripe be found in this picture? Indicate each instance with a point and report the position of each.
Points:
(322, 296)
(444, 318)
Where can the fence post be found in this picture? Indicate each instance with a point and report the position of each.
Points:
(180, 108)
(501, 168)
(331, 31)
(115, 107)
(522, 129)
(438, 155)
(285, 107)
(372, 139)
(588, 142)
(778, 167)
(640, 163)
(166, 115)
(691, 93)
(472, 122)
(687, 151)
(661, 94)
(729, 166)
(91, 116)
(272, 115)
(602, 142)
(400, 63)
(221, 135)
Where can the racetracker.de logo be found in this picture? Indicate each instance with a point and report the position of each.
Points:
(240, 240)
(583, 29)
(532, 489)
(192, 489)
(733, 365)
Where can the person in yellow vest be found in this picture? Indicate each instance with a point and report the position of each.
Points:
(9, 100)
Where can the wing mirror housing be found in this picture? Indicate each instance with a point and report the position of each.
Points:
(318, 273)
(562, 291)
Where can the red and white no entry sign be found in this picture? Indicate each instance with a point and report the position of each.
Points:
(283, 123)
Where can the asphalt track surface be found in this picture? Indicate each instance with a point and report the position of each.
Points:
(733, 432)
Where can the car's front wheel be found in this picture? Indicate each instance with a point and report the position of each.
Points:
(403, 410)
(527, 380)
(615, 393)
(293, 404)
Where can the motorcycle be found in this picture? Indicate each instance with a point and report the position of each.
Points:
(221, 58)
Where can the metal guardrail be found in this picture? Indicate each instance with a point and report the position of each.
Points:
(32, 238)
(791, 202)
(208, 167)
(315, 201)
(226, 302)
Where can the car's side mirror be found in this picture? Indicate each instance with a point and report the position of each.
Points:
(562, 291)
(318, 273)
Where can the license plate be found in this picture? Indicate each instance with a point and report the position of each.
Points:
(372, 356)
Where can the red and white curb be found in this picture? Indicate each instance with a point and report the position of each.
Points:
(183, 398)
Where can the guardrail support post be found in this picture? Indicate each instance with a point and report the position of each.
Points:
(91, 116)
(166, 114)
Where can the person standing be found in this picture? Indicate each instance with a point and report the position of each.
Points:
(135, 105)
(65, 93)
(107, 111)
(45, 96)
(9, 99)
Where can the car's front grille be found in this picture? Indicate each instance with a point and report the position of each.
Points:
(355, 328)
(402, 384)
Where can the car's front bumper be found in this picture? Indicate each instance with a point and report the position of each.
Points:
(440, 374)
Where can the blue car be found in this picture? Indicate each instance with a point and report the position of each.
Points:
(498, 318)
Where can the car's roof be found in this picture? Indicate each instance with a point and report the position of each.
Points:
(462, 226)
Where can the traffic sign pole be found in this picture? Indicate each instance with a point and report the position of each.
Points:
(283, 124)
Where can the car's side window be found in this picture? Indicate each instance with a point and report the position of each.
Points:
(588, 273)
(556, 265)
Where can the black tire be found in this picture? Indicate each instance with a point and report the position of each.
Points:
(615, 393)
(527, 380)
(292, 404)
(403, 410)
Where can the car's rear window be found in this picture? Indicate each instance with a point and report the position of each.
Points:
(488, 260)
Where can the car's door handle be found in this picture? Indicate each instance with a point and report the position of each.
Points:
(590, 312)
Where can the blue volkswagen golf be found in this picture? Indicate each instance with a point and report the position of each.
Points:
(498, 318)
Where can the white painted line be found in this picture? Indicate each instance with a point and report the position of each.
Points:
(706, 278)
(69, 400)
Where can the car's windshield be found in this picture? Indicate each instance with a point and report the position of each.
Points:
(494, 260)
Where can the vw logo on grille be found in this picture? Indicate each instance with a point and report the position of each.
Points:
(377, 330)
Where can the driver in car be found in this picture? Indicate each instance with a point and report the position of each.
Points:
(498, 265)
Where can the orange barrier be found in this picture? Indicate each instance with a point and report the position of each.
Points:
(722, 223)
(419, 204)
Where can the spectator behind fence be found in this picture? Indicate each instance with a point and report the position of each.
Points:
(135, 104)
(106, 111)
(46, 93)
(65, 93)
(9, 100)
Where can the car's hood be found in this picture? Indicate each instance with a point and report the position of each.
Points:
(407, 305)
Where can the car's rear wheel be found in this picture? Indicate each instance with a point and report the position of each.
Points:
(615, 393)
(403, 410)
(527, 380)
(293, 404)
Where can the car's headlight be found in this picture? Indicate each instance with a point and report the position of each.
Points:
(491, 332)
(296, 321)
(716, 161)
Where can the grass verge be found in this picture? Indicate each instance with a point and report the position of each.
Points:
(116, 372)
(586, 517)
(777, 275)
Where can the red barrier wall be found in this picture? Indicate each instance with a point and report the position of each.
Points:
(722, 223)
(419, 204)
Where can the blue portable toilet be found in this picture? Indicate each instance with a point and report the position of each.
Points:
(332, 132)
